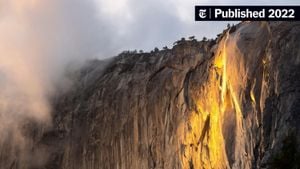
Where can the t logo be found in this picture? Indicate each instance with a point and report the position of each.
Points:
(202, 13)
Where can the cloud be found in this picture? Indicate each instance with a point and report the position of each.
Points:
(39, 38)
(144, 24)
(150, 23)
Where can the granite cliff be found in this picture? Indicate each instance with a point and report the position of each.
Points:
(233, 102)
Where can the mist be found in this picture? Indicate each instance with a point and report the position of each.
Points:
(39, 38)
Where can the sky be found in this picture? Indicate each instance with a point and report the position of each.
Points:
(145, 24)
(84, 29)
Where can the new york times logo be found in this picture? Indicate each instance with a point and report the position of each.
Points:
(202, 13)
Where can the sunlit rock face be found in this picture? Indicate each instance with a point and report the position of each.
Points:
(224, 124)
(232, 102)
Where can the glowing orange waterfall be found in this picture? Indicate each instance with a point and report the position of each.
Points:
(203, 137)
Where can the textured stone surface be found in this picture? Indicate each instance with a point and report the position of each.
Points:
(229, 103)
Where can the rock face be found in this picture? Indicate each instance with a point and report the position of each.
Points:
(229, 103)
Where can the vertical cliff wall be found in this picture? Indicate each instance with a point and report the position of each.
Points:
(228, 103)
